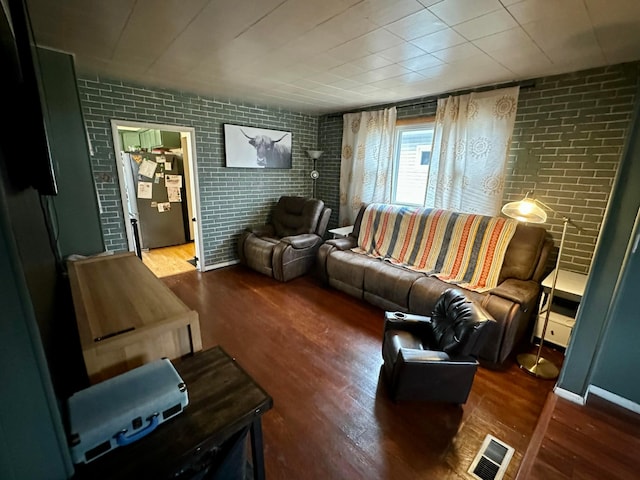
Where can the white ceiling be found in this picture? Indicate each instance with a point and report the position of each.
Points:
(321, 56)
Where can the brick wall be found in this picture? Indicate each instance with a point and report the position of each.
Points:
(230, 198)
(567, 142)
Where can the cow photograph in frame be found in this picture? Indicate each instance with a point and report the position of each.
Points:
(253, 147)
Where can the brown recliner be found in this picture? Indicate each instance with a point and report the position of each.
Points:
(286, 247)
(435, 358)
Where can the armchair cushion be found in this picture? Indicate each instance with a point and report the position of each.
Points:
(296, 215)
(454, 320)
(305, 240)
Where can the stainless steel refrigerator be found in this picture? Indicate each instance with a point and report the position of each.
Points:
(160, 196)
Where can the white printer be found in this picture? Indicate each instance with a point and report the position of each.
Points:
(123, 409)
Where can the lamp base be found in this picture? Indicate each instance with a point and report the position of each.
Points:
(543, 368)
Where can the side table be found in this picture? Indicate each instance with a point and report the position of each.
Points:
(342, 231)
(568, 294)
(223, 400)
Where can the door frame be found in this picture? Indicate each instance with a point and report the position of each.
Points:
(123, 178)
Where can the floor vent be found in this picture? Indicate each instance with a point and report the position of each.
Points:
(492, 460)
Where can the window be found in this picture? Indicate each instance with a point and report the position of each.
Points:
(411, 161)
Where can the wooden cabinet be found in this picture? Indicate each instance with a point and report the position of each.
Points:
(127, 316)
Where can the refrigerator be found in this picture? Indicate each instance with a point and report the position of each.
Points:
(160, 198)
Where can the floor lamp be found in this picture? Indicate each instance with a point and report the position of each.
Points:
(314, 155)
(529, 210)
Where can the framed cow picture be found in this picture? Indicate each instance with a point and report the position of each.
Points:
(253, 147)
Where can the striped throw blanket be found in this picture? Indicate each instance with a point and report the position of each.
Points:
(463, 249)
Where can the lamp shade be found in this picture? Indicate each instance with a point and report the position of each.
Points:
(314, 154)
(526, 210)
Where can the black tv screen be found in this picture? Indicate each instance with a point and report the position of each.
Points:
(30, 164)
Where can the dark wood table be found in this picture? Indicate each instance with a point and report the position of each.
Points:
(223, 400)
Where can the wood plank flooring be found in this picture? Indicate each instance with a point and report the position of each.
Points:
(316, 351)
(597, 441)
(168, 261)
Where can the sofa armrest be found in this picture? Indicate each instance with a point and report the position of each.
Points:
(522, 292)
(343, 243)
(304, 240)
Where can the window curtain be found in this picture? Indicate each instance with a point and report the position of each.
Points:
(470, 149)
(367, 164)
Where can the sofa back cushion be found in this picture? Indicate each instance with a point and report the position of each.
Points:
(523, 252)
(296, 215)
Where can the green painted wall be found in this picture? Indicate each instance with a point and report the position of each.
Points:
(616, 365)
(32, 440)
(601, 331)
(77, 215)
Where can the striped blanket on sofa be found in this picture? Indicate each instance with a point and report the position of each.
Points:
(463, 249)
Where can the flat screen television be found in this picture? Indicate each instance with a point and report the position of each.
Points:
(28, 164)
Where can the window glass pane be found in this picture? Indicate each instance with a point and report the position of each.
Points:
(412, 160)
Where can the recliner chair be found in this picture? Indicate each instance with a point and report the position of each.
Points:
(435, 358)
(286, 247)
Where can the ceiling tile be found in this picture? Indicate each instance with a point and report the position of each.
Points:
(437, 41)
(454, 12)
(488, 24)
(371, 62)
(416, 25)
(380, 39)
(459, 52)
(404, 51)
(421, 62)
(509, 39)
(531, 10)
(348, 70)
(383, 12)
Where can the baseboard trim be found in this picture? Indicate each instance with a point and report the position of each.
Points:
(613, 398)
(567, 395)
(216, 266)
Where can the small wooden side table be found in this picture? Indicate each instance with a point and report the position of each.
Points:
(223, 400)
(342, 231)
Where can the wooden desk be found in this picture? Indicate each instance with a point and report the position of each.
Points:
(223, 399)
(126, 316)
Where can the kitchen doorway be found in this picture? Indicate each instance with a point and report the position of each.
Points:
(157, 171)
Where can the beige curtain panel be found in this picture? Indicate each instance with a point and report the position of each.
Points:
(470, 149)
(366, 165)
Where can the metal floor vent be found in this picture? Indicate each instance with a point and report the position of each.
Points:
(492, 460)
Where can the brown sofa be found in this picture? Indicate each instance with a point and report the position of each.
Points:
(393, 288)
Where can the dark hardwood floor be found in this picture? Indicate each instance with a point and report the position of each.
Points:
(316, 351)
(596, 441)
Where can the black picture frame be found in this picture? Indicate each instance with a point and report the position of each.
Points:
(256, 147)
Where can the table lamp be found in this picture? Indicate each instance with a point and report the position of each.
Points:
(530, 210)
(314, 155)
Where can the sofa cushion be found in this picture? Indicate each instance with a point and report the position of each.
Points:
(390, 282)
(523, 253)
(347, 268)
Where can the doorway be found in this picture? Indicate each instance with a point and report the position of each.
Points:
(157, 169)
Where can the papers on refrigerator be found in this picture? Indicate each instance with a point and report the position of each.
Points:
(174, 194)
(147, 168)
(145, 189)
(173, 181)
